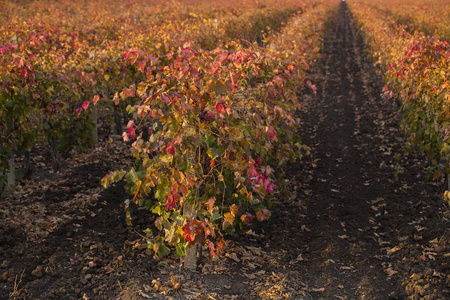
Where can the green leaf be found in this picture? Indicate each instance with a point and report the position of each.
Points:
(148, 204)
(105, 181)
(132, 176)
(209, 140)
(130, 109)
(159, 195)
(184, 166)
(167, 225)
(214, 152)
(216, 217)
(178, 218)
(181, 250)
(189, 131)
(118, 175)
(150, 245)
(148, 232)
(197, 140)
(162, 249)
(219, 88)
(158, 209)
(166, 158)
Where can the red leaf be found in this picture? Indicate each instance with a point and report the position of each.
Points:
(189, 232)
(170, 149)
(85, 105)
(78, 111)
(132, 132)
(220, 107)
(221, 56)
(184, 70)
(184, 189)
(18, 61)
(24, 73)
(141, 65)
(248, 218)
(165, 99)
(272, 133)
(154, 60)
(262, 215)
(109, 271)
(212, 249)
(128, 92)
(132, 57)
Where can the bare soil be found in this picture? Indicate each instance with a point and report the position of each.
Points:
(347, 226)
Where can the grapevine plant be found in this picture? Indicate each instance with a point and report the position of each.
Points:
(208, 128)
(416, 68)
(214, 121)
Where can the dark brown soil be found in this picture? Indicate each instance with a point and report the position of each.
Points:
(346, 228)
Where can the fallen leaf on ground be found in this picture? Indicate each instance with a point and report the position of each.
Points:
(233, 256)
(304, 228)
(393, 250)
(255, 250)
(390, 272)
(298, 259)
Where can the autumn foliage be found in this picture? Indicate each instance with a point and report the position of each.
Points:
(213, 125)
(416, 69)
(204, 93)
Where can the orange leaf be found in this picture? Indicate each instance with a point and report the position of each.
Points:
(234, 209)
(229, 219)
(96, 98)
(210, 203)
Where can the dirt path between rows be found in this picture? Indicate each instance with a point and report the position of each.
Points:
(345, 229)
(368, 230)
